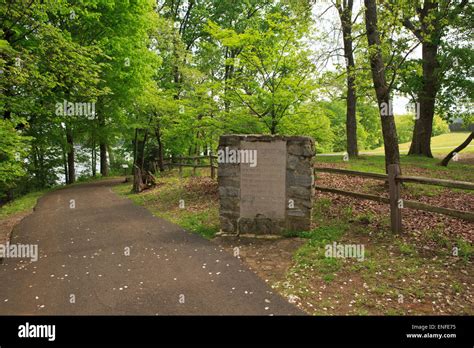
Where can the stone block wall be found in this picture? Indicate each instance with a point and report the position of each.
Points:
(274, 196)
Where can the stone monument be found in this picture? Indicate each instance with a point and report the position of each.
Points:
(266, 183)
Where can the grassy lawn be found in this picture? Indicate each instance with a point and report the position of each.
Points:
(441, 144)
(199, 213)
(22, 204)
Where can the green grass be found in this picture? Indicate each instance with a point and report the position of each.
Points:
(198, 223)
(465, 249)
(199, 215)
(312, 254)
(405, 248)
(409, 164)
(22, 204)
(436, 235)
(457, 287)
(87, 179)
(389, 259)
(440, 145)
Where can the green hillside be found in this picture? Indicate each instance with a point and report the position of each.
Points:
(440, 144)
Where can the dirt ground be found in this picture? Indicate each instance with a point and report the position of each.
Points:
(7, 224)
(395, 285)
(269, 258)
(413, 273)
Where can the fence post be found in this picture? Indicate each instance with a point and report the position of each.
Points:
(394, 195)
(179, 166)
(211, 161)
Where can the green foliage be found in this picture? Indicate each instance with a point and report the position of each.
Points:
(406, 123)
(169, 77)
(311, 121)
(449, 26)
(272, 71)
(13, 151)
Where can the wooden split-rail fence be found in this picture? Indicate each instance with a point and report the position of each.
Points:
(180, 162)
(395, 179)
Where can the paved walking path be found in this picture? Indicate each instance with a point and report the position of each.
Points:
(83, 267)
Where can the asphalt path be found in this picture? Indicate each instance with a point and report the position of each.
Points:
(99, 254)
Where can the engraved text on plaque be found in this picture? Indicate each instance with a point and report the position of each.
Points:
(263, 187)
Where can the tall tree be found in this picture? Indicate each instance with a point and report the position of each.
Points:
(429, 21)
(382, 87)
(275, 73)
(345, 9)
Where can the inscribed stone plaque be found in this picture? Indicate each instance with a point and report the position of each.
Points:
(263, 187)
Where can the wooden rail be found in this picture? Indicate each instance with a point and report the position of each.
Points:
(395, 179)
(352, 173)
(438, 182)
(367, 196)
(180, 162)
(465, 215)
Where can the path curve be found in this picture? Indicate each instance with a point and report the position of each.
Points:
(83, 267)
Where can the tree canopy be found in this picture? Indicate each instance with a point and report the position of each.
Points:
(89, 85)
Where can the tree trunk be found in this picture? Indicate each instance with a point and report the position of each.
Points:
(140, 149)
(390, 138)
(351, 121)
(345, 15)
(137, 180)
(228, 74)
(93, 160)
(138, 160)
(196, 144)
(66, 174)
(104, 170)
(37, 169)
(274, 122)
(461, 147)
(176, 74)
(110, 155)
(70, 156)
(135, 147)
(160, 148)
(103, 159)
(423, 130)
